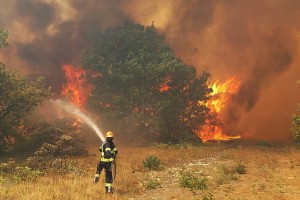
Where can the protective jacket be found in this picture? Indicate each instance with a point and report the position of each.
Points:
(108, 151)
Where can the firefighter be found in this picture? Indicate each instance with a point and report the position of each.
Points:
(108, 154)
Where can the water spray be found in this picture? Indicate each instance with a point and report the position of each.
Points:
(71, 108)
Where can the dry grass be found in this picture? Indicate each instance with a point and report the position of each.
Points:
(271, 173)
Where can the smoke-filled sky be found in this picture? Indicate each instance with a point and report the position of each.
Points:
(255, 41)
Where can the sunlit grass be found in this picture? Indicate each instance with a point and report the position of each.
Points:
(221, 167)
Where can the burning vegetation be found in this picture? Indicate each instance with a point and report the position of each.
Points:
(241, 43)
(76, 89)
(221, 95)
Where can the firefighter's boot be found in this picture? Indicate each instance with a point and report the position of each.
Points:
(108, 189)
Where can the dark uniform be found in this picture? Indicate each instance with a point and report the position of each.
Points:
(108, 154)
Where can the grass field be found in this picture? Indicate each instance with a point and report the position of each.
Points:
(235, 170)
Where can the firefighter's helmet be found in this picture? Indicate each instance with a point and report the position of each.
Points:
(109, 134)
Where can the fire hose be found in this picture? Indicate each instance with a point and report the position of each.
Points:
(114, 173)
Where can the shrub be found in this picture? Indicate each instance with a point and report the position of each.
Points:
(188, 180)
(5, 168)
(240, 169)
(25, 174)
(56, 143)
(152, 163)
(62, 166)
(12, 173)
(296, 126)
(152, 184)
(225, 174)
(208, 197)
(56, 139)
(56, 165)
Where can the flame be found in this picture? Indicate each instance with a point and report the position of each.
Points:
(165, 85)
(77, 89)
(222, 92)
(164, 88)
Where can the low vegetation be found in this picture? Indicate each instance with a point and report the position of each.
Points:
(11, 173)
(240, 169)
(296, 126)
(191, 173)
(152, 184)
(152, 163)
(189, 180)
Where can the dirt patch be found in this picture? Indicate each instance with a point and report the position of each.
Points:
(270, 173)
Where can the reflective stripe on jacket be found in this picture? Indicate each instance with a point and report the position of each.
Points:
(108, 151)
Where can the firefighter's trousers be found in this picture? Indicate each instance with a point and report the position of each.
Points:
(108, 173)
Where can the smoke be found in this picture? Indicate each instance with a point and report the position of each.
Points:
(45, 34)
(255, 41)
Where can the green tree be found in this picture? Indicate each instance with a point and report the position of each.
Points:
(17, 98)
(140, 86)
(3, 37)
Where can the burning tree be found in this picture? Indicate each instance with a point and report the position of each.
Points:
(17, 98)
(140, 86)
(213, 130)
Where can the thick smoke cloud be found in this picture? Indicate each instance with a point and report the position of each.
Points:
(56, 33)
(255, 41)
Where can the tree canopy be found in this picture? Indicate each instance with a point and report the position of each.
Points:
(3, 38)
(18, 97)
(140, 86)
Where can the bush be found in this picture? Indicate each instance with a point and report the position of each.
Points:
(188, 180)
(296, 126)
(225, 174)
(26, 174)
(152, 163)
(56, 139)
(208, 197)
(67, 145)
(240, 169)
(5, 168)
(152, 184)
(13, 173)
(56, 165)
(54, 144)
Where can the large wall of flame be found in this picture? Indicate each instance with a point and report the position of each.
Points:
(255, 41)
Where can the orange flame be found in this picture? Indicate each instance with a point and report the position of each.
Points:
(76, 90)
(222, 92)
(164, 86)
